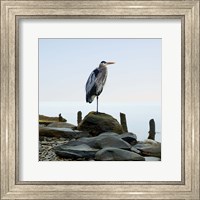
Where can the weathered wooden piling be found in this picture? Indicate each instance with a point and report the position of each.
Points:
(123, 122)
(152, 129)
(79, 117)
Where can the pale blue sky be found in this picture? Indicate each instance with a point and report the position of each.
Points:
(65, 65)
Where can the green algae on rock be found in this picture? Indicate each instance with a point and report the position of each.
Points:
(46, 120)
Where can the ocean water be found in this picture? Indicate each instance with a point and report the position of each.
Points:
(137, 115)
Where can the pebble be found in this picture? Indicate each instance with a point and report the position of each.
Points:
(46, 151)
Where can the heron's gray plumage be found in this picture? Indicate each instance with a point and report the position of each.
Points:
(96, 81)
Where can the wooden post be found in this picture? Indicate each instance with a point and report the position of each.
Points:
(152, 128)
(123, 122)
(79, 117)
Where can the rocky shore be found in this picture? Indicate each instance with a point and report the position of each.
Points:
(98, 137)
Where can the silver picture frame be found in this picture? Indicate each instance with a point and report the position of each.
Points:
(12, 11)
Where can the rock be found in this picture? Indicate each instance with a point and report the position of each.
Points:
(47, 120)
(150, 158)
(61, 125)
(105, 140)
(115, 154)
(135, 150)
(75, 143)
(90, 140)
(131, 138)
(101, 141)
(99, 123)
(149, 148)
(46, 150)
(41, 138)
(150, 141)
(108, 134)
(80, 134)
(111, 141)
(42, 125)
(75, 152)
(61, 132)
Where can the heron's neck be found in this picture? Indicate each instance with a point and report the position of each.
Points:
(102, 67)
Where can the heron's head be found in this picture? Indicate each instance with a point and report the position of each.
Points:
(104, 63)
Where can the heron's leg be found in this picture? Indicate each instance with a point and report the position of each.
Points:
(97, 103)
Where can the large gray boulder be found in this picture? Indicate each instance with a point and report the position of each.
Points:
(102, 141)
(98, 123)
(111, 141)
(75, 152)
(115, 154)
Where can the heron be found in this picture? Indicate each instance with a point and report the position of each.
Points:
(96, 82)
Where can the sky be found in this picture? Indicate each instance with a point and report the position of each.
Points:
(65, 65)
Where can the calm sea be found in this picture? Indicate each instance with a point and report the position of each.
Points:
(137, 115)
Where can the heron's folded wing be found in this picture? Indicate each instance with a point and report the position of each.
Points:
(91, 82)
(100, 81)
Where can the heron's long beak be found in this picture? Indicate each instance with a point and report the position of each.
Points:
(109, 63)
